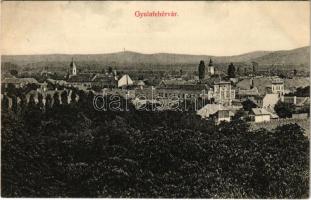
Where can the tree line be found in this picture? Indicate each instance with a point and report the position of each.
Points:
(71, 150)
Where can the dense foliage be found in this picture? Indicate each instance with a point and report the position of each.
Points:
(284, 110)
(248, 105)
(201, 70)
(73, 151)
(231, 71)
(301, 92)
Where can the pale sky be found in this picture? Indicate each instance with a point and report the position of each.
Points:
(209, 28)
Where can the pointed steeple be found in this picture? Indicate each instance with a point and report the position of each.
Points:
(73, 68)
(210, 62)
(211, 69)
(72, 62)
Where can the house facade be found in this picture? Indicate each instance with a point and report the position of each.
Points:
(277, 86)
(260, 115)
(223, 93)
(181, 91)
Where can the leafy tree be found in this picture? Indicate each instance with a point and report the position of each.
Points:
(14, 72)
(73, 96)
(109, 70)
(64, 98)
(301, 92)
(48, 102)
(254, 65)
(248, 105)
(23, 103)
(56, 101)
(32, 86)
(141, 77)
(82, 98)
(201, 70)
(31, 102)
(5, 103)
(40, 101)
(89, 98)
(238, 71)
(11, 89)
(14, 104)
(231, 71)
(284, 110)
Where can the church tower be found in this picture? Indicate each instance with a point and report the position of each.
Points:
(73, 68)
(211, 69)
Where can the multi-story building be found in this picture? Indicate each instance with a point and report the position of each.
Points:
(184, 91)
(223, 93)
(277, 86)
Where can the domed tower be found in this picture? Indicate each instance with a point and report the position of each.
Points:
(211, 69)
(73, 68)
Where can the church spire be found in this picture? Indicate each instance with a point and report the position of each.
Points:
(73, 68)
(211, 69)
(210, 62)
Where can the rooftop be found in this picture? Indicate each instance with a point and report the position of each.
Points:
(182, 85)
(19, 80)
(260, 111)
(81, 78)
(185, 87)
(210, 109)
(222, 82)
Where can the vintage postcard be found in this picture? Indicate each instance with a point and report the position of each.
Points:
(163, 99)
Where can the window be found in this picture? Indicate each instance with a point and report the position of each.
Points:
(227, 95)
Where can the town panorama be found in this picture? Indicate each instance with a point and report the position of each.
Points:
(157, 99)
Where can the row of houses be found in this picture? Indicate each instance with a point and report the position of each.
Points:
(81, 81)
(219, 91)
(224, 97)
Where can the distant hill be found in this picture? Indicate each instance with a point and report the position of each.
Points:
(129, 57)
(295, 56)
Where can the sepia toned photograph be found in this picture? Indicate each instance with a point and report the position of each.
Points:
(155, 99)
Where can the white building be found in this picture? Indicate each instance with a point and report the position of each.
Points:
(217, 112)
(260, 115)
(270, 100)
(125, 81)
(223, 93)
(223, 115)
(210, 109)
(277, 86)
